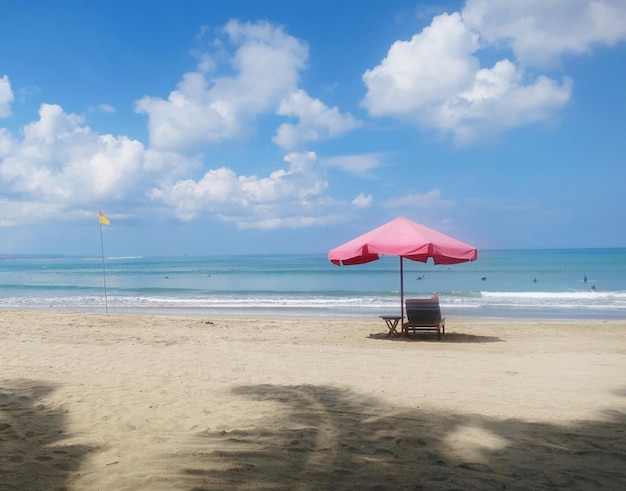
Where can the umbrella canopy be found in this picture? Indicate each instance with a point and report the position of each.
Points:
(406, 239)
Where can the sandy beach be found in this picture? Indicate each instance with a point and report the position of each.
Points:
(127, 402)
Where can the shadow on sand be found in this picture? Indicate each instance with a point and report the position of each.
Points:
(32, 453)
(323, 437)
(449, 337)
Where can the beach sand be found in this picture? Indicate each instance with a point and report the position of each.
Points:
(128, 402)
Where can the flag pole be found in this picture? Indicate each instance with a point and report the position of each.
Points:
(104, 275)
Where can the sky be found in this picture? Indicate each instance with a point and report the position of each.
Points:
(273, 126)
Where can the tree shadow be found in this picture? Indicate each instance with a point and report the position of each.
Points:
(449, 337)
(32, 453)
(324, 437)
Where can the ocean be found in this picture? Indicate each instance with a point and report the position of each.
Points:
(542, 284)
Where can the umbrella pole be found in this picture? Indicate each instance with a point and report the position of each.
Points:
(401, 292)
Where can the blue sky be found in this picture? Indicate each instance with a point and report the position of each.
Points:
(205, 127)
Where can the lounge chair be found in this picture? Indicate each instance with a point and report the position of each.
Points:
(424, 314)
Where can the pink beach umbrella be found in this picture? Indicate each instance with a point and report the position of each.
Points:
(406, 239)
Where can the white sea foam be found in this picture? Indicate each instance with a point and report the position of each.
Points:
(574, 295)
(608, 304)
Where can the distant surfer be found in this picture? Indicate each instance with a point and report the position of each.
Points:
(483, 278)
(593, 288)
(535, 280)
(585, 279)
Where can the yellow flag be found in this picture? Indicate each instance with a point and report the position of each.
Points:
(104, 219)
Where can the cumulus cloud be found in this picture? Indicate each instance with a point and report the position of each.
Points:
(425, 71)
(59, 163)
(436, 78)
(60, 166)
(207, 107)
(316, 121)
(540, 32)
(266, 64)
(291, 197)
(60, 159)
(6, 97)
(498, 99)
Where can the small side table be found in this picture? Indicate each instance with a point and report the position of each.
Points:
(392, 324)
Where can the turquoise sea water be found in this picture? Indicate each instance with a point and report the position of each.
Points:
(520, 283)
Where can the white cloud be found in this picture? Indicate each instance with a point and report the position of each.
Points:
(167, 165)
(359, 165)
(267, 62)
(292, 197)
(316, 121)
(107, 108)
(6, 97)
(435, 79)
(14, 213)
(291, 222)
(425, 71)
(60, 159)
(6, 142)
(362, 200)
(540, 32)
(430, 199)
(60, 165)
(498, 99)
